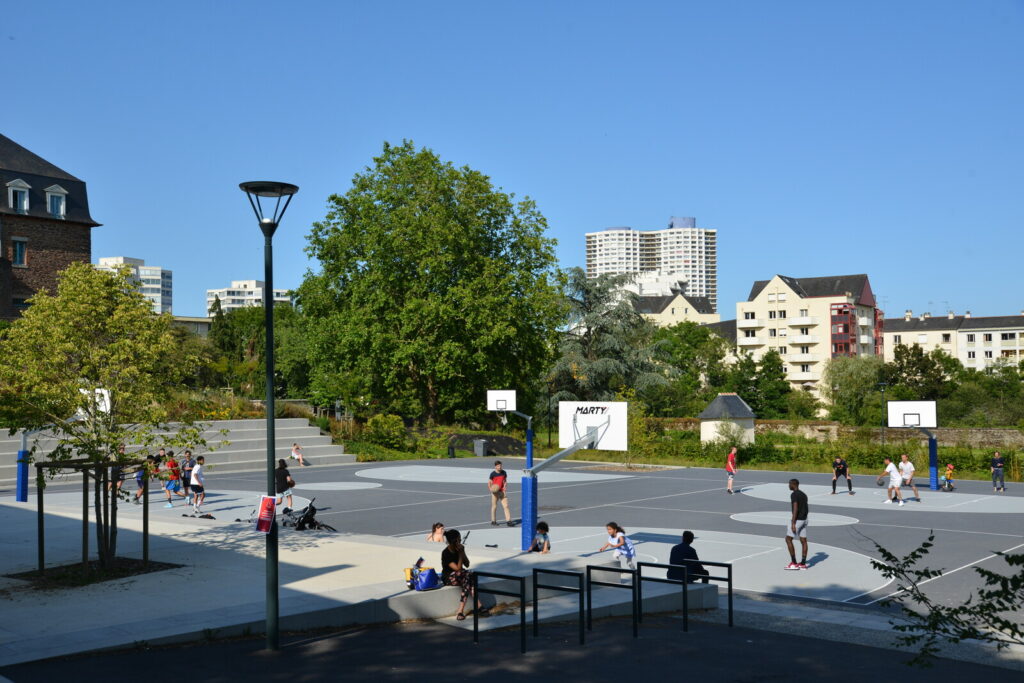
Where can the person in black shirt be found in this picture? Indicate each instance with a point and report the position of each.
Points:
(684, 554)
(998, 465)
(841, 469)
(283, 483)
(797, 525)
(455, 571)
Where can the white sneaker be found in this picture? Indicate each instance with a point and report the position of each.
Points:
(888, 501)
(901, 503)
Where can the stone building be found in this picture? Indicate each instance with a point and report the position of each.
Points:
(45, 225)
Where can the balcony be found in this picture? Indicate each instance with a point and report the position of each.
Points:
(747, 324)
(802, 377)
(802, 358)
(1008, 342)
(864, 321)
(749, 341)
(804, 339)
(803, 321)
(866, 339)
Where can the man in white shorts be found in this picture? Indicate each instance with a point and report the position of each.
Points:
(797, 527)
(907, 473)
(895, 481)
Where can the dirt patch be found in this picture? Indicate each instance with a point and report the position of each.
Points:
(74, 575)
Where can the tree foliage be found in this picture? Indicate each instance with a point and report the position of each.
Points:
(96, 332)
(433, 286)
(851, 385)
(695, 357)
(607, 347)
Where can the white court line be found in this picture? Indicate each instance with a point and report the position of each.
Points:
(966, 502)
(763, 552)
(928, 528)
(699, 512)
(954, 571)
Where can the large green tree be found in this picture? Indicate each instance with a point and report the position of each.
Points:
(696, 358)
(851, 385)
(916, 375)
(772, 389)
(96, 333)
(432, 287)
(607, 346)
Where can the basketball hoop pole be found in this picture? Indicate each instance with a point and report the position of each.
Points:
(528, 495)
(933, 459)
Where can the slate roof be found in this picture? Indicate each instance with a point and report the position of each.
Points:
(993, 322)
(726, 329)
(926, 325)
(727, 406)
(657, 304)
(833, 285)
(16, 162)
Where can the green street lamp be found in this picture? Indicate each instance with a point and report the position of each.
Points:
(268, 224)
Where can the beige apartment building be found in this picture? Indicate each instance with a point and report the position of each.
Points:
(675, 308)
(978, 343)
(808, 321)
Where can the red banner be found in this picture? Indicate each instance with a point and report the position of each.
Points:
(265, 519)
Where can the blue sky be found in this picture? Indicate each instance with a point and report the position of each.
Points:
(819, 138)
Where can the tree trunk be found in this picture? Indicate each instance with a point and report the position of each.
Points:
(113, 521)
(98, 507)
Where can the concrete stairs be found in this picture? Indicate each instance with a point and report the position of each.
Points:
(245, 450)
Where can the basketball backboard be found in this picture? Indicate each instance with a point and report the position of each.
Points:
(609, 417)
(912, 414)
(501, 399)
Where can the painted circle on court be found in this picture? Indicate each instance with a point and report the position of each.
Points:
(338, 486)
(780, 517)
(436, 474)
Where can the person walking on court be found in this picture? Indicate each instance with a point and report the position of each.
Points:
(895, 481)
(187, 463)
(283, 483)
(625, 553)
(841, 469)
(198, 485)
(173, 484)
(496, 483)
(730, 469)
(685, 555)
(907, 474)
(797, 526)
(998, 465)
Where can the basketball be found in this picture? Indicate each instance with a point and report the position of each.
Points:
(880, 481)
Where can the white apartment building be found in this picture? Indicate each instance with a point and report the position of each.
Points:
(155, 283)
(808, 321)
(977, 343)
(681, 252)
(243, 294)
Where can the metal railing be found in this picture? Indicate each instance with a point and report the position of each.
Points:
(686, 573)
(590, 596)
(567, 589)
(477, 590)
(640, 578)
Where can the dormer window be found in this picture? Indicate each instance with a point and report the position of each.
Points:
(17, 195)
(56, 202)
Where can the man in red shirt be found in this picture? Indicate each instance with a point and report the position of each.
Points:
(730, 469)
(496, 483)
(173, 479)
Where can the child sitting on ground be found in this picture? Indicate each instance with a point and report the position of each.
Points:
(541, 541)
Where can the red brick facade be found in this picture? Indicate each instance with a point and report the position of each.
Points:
(51, 246)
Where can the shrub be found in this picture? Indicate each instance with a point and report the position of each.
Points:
(385, 430)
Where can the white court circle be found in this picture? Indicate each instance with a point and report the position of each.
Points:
(781, 517)
(436, 474)
(338, 486)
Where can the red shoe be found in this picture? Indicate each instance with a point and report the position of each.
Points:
(792, 566)
(802, 566)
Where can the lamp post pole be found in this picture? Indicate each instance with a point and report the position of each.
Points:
(268, 225)
(882, 385)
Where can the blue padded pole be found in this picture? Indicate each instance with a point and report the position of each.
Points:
(21, 489)
(529, 523)
(933, 463)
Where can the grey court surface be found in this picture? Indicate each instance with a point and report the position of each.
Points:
(746, 529)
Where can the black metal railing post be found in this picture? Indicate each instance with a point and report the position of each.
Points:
(537, 585)
(632, 591)
(477, 590)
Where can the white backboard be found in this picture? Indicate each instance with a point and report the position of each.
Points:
(610, 418)
(501, 399)
(912, 414)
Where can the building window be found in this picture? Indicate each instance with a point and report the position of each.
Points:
(805, 368)
(805, 330)
(771, 297)
(970, 354)
(945, 339)
(20, 304)
(922, 339)
(987, 337)
(749, 334)
(17, 195)
(19, 252)
(782, 296)
(748, 315)
(783, 350)
(970, 338)
(771, 333)
(782, 314)
(771, 315)
(803, 312)
(988, 354)
(1008, 335)
(805, 349)
(55, 201)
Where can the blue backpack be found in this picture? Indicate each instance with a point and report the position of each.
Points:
(426, 580)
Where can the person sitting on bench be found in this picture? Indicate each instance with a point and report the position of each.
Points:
(684, 554)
